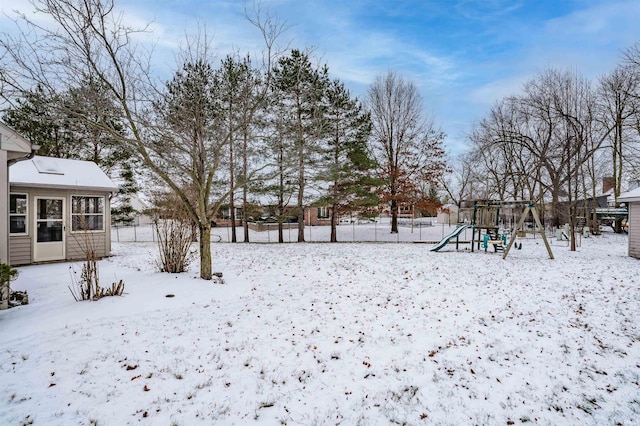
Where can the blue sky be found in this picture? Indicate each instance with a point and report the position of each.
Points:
(462, 54)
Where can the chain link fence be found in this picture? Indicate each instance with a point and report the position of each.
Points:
(425, 230)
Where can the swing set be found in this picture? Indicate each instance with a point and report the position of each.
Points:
(486, 217)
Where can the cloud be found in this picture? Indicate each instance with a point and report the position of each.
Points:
(486, 9)
(588, 39)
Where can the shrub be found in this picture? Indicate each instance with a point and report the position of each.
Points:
(7, 274)
(88, 286)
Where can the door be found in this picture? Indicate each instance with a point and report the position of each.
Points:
(50, 229)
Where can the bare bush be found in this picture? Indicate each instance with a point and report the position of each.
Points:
(87, 287)
(175, 236)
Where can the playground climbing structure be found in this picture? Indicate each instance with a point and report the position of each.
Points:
(485, 227)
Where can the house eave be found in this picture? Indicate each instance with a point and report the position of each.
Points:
(12, 142)
(77, 188)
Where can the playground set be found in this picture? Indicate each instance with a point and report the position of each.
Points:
(486, 231)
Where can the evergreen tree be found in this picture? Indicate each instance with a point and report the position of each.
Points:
(193, 148)
(282, 155)
(299, 88)
(238, 81)
(37, 117)
(81, 124)
(347, 166)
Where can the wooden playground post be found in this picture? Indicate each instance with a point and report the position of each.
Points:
(529, 208)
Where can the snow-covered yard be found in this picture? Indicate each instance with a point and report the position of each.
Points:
(332, 334)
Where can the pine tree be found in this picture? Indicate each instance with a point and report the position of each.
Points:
(36, 116)
(81, 124)
(237, 93)
(299, 88)
(347, 166)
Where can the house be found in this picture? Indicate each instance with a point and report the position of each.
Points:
(141, 210)
(13, 148)
(317, 216)
(448, 214)
(632, 199)
(57, 209)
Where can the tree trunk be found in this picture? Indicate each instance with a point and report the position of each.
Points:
(245, 224)
(617, 226)
(394, 216)
(300, 222)
(334, 220)
(301, 186)
(205, 251)
(232, 218)
(232, 209)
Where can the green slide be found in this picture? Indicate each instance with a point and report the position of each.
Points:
(446, 239)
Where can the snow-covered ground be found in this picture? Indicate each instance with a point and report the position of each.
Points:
(350, 333)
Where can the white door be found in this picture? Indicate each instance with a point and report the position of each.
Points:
(49, 234)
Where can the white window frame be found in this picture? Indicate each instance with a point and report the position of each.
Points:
(323, 213)
(25, 214)
(103, 213)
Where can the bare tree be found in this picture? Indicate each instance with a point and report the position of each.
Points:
(458, 182)
(405, 143)
(89, 38)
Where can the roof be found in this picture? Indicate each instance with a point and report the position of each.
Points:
(630, 196)
(12, 141)
(60, 173)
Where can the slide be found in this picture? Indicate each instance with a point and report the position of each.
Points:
(446, 239)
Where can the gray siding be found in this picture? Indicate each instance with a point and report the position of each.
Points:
(634, 230)
(79, 242)
(21, 247)
(20, 250)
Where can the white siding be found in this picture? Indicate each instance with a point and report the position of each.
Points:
(634, 229)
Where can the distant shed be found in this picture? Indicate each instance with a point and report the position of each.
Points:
(632, 199)
(57, 206)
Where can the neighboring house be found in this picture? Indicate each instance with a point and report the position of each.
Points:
(448, 214)
(13, 148)
(141, 207)
(140, 215)
(632, 199)
(224, 216)
(56, 208)
(315, 216)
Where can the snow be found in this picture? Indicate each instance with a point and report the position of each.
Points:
(350, 333)
(51, 172)
(633, 195)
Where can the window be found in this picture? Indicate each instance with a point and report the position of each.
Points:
(87, 213)
(18, 213)
(323, 213)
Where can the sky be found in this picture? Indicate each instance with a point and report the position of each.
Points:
(463, 55)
